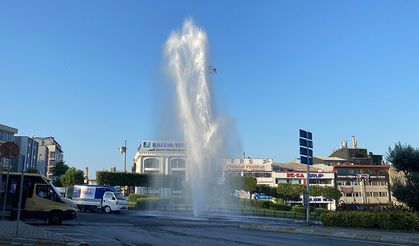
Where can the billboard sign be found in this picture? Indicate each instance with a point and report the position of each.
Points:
(87, 192)
(248, 164)
(242, 194)
(161, 146)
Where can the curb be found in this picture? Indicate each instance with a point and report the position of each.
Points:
(30, 241)
(367, 235)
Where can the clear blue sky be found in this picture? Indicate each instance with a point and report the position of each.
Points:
(88, 72)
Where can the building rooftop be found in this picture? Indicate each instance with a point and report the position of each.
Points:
(331, 158)
(292, 166)
(8, 129)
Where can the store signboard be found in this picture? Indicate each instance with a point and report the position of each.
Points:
(248, 165)
(303, 175)
(318, 199)
(360, 176)
(161, 146)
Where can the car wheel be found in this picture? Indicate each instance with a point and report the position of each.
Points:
(107, 210)
(55, 219)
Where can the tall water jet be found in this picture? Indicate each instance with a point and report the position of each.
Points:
(186, 52)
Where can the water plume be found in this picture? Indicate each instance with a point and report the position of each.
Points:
(187, 57)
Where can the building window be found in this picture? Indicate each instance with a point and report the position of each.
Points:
(281, 181)
(347, 171)
(180, 174)
(320, 181)
(177, 163)
(151, 163)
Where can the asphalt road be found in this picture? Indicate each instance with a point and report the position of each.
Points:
(154, 228)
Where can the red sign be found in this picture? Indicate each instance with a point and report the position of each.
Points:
(9, 150)
(295, 175)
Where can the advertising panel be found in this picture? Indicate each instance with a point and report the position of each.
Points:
(87, 192)
(248, 164)
(242, 194)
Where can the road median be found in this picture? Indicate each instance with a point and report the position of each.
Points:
(347, 233)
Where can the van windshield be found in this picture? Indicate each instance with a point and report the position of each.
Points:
(119, 196)
(57, 193)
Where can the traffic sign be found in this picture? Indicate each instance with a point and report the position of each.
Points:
(306, 152)
(9, 150)
(306, 147)
(306, 143)
(306, 160)
(306, 134)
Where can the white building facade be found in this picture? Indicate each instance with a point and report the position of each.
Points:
(49, 153)
(161, 157)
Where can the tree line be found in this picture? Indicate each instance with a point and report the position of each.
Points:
(137, 179)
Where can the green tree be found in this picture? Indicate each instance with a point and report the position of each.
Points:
(405, 159)
(331, 192)
(72, 176)
(325, 191)
(60, 169)
(137, 179)
(267, 190)
(290, 191)
(241, 183)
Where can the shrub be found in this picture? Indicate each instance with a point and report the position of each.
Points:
(280, 207)
(395, 220)
(280, 200)
(299, 209)
(151, 202)
(135, 197)
(320, 211)
(264, 204)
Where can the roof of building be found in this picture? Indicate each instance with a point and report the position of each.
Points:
(8, 129)
(292, 166)
(361, 166)
(331, 158)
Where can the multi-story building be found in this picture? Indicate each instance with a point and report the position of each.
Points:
(6, 135)
(28, 154)
(49, 153)
(296, 173)
(361, 176)
(363, 184)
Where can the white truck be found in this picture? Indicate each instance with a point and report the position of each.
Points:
(99, 198)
